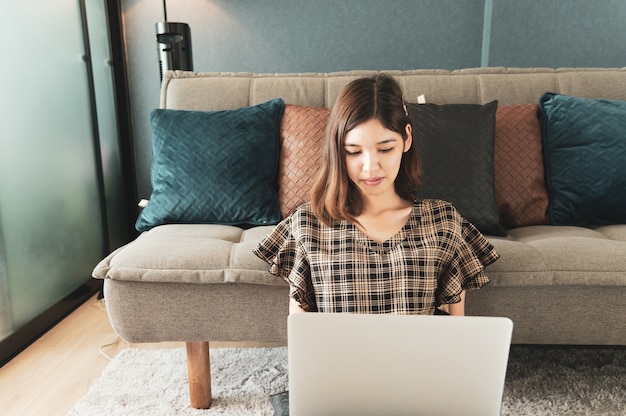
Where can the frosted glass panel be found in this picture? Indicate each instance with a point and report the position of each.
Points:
(49, 204)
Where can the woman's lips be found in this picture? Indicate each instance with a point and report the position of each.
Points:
(372, 181)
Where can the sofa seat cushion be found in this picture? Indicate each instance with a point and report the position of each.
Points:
(560, 255)
(190, 253)
(539, 255)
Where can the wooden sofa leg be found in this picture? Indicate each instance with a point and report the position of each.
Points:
(199, 373)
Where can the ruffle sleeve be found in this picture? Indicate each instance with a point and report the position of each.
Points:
(288, 260)
(466, 269)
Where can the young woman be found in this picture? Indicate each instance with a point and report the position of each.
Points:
(366, 243)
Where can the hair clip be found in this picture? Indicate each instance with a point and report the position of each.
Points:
(406, 112)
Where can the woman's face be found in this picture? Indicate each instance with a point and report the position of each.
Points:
(373, 156)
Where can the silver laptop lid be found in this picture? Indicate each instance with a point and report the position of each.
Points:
(346, 364)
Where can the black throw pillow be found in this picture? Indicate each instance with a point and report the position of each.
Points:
(456, 147)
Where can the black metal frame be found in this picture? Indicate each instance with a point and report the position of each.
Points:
(123, 109)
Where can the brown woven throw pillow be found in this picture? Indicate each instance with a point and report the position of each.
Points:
(518, 162)
(521, 192)
(302, 133)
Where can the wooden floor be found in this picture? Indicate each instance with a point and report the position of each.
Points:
(51, 375)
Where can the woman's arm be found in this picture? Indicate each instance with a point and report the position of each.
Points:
(458, 309)
(294, 307)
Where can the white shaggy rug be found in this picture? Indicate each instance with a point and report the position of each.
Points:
(154, 383)
(540, 382)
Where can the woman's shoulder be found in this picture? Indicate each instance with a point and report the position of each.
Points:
(303, 220)
(438, 214)
(303, 211)
(296, 225)
(435, 207)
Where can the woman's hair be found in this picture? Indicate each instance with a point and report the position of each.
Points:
(334, 196)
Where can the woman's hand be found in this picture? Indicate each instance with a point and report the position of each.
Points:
(458, 309)
(294, 307)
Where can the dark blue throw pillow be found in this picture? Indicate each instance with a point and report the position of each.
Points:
(584, 146)
(214, 167)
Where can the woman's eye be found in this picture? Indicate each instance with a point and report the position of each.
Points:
(349, 153)
(386, 150)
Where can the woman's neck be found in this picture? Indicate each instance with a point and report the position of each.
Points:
(379, 204)
(383, 217)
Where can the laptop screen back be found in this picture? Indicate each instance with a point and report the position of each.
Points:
(347, 364)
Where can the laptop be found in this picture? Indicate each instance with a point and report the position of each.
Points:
(356, 364)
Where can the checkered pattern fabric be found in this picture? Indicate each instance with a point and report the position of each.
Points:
(435, 256)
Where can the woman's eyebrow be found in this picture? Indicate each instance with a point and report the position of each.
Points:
(385, 141)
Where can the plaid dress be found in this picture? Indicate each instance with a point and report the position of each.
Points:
(429, 262)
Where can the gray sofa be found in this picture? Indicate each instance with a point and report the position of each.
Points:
(200, 282)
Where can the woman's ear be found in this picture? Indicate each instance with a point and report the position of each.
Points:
(408, 141)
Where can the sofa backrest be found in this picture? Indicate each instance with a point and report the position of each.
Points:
(220, 91)
(520, 190)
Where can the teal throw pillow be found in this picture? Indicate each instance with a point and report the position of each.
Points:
(215, 167)
(584, 146)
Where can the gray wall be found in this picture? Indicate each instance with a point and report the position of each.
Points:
(558, 33)
(327, 35)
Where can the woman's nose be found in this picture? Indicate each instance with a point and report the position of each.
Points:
(370, 162)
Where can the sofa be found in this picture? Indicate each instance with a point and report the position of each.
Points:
(191, 276)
